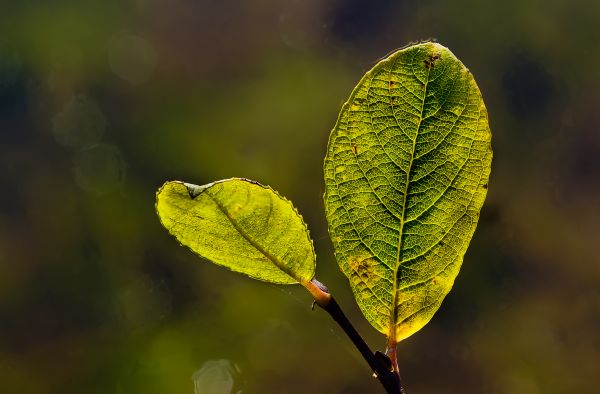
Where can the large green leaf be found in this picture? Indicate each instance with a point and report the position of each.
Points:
(406, 175)
(242, 225)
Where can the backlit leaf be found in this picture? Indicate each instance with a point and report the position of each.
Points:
(241, 225)
(406, 175)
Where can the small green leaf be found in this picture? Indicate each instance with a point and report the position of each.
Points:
(406, 175)
(241, 225)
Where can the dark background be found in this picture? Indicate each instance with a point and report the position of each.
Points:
(101, 102)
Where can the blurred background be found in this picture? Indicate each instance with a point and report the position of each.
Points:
(101, 102)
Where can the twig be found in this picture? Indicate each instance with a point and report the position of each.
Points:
(380, 364)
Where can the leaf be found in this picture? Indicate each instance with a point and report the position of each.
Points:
(406, 174)
(241, 225)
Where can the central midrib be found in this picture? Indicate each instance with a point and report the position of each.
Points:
(393, 315)
(252, 242)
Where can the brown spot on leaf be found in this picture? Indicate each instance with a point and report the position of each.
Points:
(354, 149)
(356, 104)
(431, 59)
(485, 185)
(438, 280)
(362, 268)
(393, 84)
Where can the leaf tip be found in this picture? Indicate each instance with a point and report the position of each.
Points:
(195, 190)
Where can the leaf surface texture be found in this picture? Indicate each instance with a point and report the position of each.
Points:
(406, 175)
(242, 225)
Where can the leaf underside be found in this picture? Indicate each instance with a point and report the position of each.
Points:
(241, 225)
(406, 175)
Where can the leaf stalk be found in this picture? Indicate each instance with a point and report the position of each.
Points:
(384, 368)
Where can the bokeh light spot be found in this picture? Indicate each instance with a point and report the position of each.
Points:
(99, 169)
(215, 377)
(131, 58)
(80, 124)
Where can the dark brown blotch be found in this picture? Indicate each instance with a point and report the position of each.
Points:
(431, 59)
(361, 267)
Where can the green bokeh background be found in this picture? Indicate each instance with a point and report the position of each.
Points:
(100, 102)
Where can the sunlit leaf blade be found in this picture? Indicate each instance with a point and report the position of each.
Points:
(406, 175)
(241, 225)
